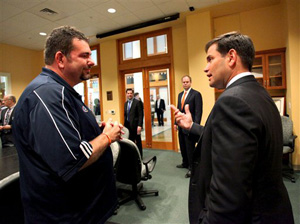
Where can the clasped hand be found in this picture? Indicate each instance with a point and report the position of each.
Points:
(113, 129)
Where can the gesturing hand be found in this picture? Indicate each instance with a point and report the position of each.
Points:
(183, 120)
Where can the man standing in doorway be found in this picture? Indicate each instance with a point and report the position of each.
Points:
(7, 116)
(66, 164)
(186, 141)
(160, 108)
(152, 104)
(133, 116)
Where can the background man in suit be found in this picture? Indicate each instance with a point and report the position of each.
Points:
(138, 137)
(7, 116)
(187, 142)
(160, 108)
(236, 176)
(152, 104)
(133, 117)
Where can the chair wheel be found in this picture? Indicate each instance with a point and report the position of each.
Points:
(293, 180)
(156, 194)
(143, 207)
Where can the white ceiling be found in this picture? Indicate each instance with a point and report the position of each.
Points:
(21, 20)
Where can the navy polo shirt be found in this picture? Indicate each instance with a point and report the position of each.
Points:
(52, 128)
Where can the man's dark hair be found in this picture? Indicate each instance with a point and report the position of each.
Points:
(61, 39)
(135, 94)
(129, 89)
(237, 41)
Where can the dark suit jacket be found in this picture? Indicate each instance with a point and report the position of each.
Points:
(161, 107)
(194, 99)
(3, 112)
(135, 114)
(236, 173)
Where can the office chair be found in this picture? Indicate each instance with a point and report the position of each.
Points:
(115, 149)
(288, 147)
(126, 133)
(10, 200)
(131, 171)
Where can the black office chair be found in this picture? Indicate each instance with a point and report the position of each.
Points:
(288, 148)
(131, 171)
(11, 208)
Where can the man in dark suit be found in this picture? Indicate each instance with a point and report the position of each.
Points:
(138, 137)
(133, 116)
(160, 108)
(236, 175)
(186, 141)
(7, 116)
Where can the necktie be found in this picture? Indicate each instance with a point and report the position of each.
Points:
(128, 109)
(7, 115)
(182, 100)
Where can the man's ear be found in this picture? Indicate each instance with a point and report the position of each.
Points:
(232, 57)
(60, 59)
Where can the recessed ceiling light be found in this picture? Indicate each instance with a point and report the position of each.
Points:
(111, 10)
(43, 34)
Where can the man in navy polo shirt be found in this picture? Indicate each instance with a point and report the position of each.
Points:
(66, 172)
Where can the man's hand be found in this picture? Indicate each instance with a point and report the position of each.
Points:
(183, 120)
(113, 130)
(175, 127)
(139, 130)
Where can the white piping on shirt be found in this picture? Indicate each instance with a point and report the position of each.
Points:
(55, 125)
(63, 105)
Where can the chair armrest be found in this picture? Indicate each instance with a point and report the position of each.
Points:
(149, 163)
(292, 141)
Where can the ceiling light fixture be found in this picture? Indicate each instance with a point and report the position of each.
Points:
(43, 34)
(111, 10)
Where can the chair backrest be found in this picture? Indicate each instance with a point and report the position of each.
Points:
(129, 163)
(287, 128)
(10, 200)
(115, 149)
(126, 133)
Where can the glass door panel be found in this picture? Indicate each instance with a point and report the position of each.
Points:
(135, 81)
(161, 127)
(93, 97)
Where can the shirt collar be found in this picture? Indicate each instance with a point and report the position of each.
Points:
(237, 77)
(187, 91)
(57, 78)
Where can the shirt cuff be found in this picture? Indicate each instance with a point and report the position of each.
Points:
(86, 148)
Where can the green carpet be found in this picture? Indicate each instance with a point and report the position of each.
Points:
(171, 206)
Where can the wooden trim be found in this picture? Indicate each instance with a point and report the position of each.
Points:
(276, 50)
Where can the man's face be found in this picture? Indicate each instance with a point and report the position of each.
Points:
(186, 83)
(79, 62)
(129, 94)
(217, 69)
(6, 101)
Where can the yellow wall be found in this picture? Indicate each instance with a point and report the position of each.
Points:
(199, 32)
(109, 75)
(265, 26)
(22, 64)
(292, 11)
(180, 58)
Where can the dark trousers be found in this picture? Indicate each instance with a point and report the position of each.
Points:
(160, 118)
(7, 139)
(187, 146)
